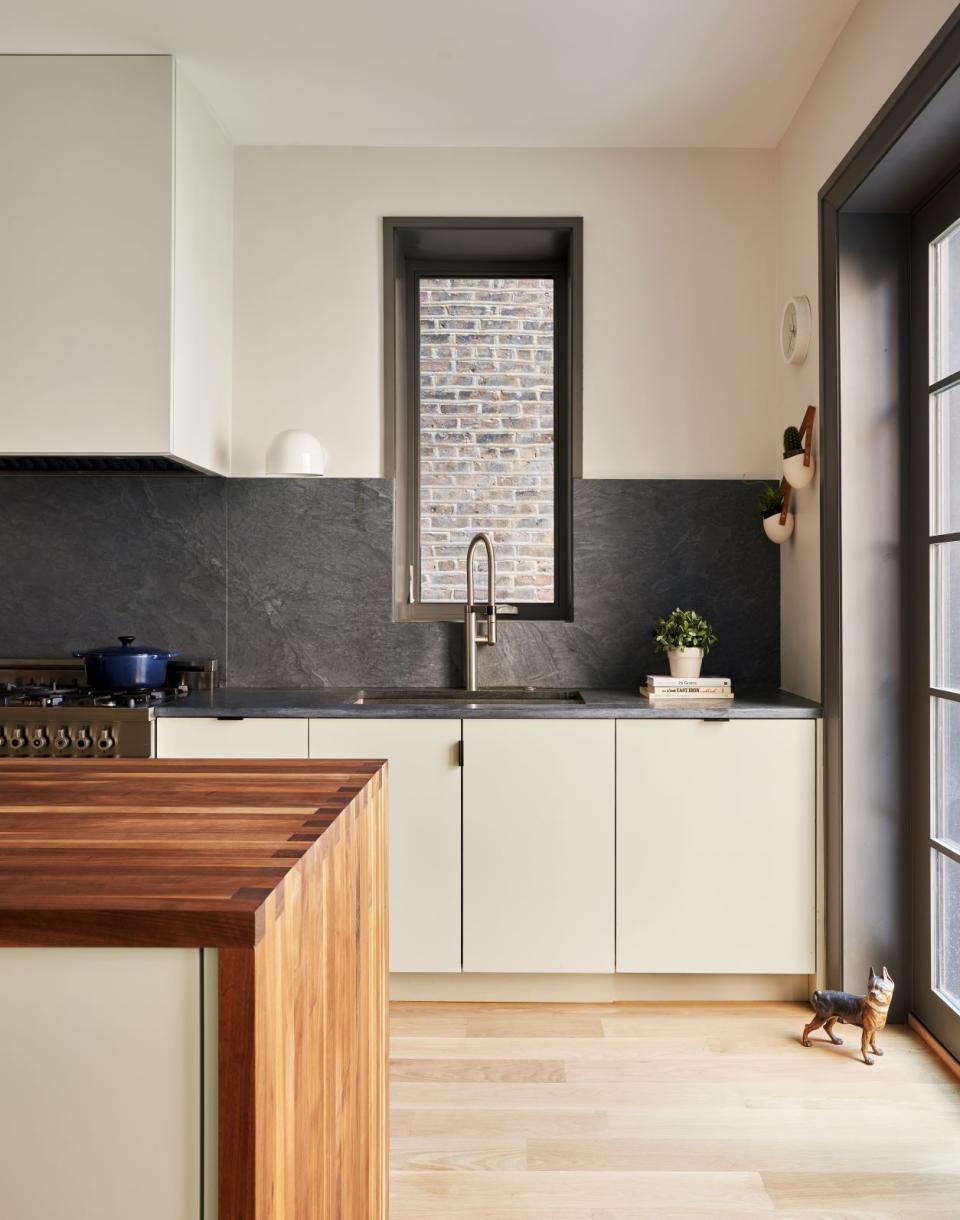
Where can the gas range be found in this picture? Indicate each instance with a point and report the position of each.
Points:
(46, 711)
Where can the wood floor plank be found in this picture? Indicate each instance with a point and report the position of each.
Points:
(603, 1095)
(447, 1153)
(810, 1095)
(427, 1123)
(689, 1213)
(538, 1194)
(684, 1213)
(822, 1152)
(862, 1116)
(891, 1193)
(540, 1021)
(742, 1071)
(617, 1049)
(498, 1071)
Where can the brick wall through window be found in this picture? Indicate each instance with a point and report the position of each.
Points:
(486, 434)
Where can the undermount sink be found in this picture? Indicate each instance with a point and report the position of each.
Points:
(489, 694)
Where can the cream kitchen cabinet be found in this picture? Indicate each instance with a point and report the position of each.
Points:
(116, 242)
(253, 737)
(716, 846)
(102, 1058)
(424, 839)
(538, 846)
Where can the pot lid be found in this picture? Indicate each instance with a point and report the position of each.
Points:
(126, 648)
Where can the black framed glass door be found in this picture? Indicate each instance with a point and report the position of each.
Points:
(933, 610)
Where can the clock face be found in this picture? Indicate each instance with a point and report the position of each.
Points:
(788, 331)
(795, 324)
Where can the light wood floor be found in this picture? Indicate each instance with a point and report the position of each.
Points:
(663, 1112)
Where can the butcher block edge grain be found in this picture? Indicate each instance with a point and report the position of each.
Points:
(283, 867)
(157, 852)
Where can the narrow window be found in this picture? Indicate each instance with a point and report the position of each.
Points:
(482, 355)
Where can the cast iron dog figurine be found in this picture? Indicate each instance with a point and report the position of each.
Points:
(868, 1011)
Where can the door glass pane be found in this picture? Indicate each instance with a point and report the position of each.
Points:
(945, 462)
(945, 614)
(946, 945)
(945, 304)
(486, 435)
(945, 726)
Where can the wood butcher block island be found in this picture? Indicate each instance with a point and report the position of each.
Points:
(258, 888)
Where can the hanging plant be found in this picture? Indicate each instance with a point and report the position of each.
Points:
(770, 508)
(794, 471)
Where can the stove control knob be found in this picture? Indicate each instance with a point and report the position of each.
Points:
(38, 738)
(62, 740)
(3, 737)
(17, 739)
(105, 741)
(84, 741)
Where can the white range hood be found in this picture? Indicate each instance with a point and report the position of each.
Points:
(116, 242)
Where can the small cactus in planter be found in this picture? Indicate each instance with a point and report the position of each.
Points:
(792, 445)
(797, 467)
(686, 637)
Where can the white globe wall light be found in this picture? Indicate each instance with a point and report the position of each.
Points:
(296, 454)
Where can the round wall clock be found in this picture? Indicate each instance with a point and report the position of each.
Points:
(795, 330)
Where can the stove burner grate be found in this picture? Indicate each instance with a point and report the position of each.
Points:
(12, 695)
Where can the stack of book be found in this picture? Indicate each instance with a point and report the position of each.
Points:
(666, 689)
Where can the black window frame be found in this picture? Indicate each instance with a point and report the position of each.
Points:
(500, 247)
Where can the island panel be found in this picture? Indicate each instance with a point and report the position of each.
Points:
(282, 868)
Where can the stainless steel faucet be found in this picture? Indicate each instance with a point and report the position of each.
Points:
(490, 610)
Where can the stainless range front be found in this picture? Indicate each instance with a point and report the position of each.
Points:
(47, 712)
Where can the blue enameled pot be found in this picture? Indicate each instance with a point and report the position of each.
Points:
(124, 667)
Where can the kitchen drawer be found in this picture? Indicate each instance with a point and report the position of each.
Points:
(209, 737)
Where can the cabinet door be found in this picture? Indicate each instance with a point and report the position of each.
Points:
(538, 846)
(424, 802)
(101, 1104)
(716, 830)
(208, 737)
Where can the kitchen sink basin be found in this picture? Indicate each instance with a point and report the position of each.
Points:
(489, 694)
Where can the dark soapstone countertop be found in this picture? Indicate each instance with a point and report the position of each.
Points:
(415, 704)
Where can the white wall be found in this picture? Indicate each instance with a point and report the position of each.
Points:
(875, 51)
(679, 295)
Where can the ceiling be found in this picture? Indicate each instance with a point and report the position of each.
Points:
(500, 73)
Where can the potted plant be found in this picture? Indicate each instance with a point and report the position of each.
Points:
(686, 638)
(794, 471)
(770, 506)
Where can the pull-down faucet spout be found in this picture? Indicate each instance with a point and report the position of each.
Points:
(472, 639)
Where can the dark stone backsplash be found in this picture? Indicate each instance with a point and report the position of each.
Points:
(288, 581)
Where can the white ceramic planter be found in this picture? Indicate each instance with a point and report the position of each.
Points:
(685, 662)
(794, 471)
(775, 531)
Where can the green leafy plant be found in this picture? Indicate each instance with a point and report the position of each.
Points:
(770, 499)
(791, 442)
(683, 629)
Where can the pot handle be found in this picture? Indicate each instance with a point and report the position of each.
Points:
(126, 640)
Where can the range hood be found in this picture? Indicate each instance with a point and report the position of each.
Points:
(117, 255)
